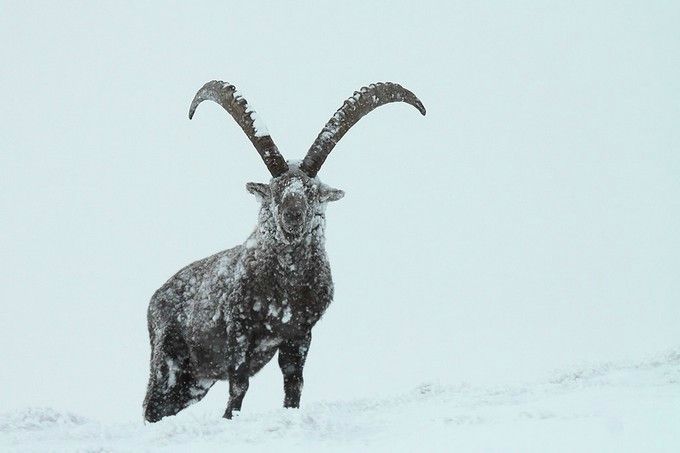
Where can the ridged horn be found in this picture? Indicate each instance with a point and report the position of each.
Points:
(231, 100)
(353, 109)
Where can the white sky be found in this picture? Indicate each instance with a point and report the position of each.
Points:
(529, 222)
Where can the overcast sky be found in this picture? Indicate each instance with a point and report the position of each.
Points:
(528, 223)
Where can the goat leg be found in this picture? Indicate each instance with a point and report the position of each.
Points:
(292, 356)
(239, 343)
(238, 385)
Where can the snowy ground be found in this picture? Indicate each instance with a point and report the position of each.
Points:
(611, 407)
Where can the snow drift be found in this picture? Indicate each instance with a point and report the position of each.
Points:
(614, 407)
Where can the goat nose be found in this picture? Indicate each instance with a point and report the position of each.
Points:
(294, 215)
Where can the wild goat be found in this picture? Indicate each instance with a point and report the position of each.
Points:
(225, 316)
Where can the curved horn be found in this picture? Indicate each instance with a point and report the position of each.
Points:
(228, 97)
(353, 109)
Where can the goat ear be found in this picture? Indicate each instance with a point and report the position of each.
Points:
(260, 190)
(331, 194)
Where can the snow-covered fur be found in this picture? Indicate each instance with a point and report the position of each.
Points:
(225, 316)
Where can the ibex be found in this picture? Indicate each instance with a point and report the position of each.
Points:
(225, 316)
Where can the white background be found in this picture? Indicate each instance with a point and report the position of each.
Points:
(529, 222)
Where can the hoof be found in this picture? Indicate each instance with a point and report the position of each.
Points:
(229, 413)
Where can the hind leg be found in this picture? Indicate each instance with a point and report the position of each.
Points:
(172, 385)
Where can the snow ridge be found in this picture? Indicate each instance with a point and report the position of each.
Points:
(615, 407)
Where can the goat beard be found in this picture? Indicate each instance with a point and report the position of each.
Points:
(291, 238)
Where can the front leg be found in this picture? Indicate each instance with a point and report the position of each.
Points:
(238, 385)
(292, 355)
(238, 370)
